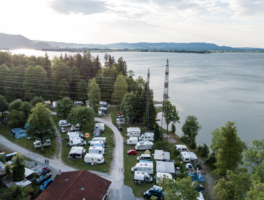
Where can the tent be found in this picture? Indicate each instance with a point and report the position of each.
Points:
(194, 176)
(201, 178)
(18, 133)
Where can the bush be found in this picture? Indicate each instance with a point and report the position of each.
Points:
(211, 161)
(182, 175)
(193, 145)
(181, 165)
(203, 150)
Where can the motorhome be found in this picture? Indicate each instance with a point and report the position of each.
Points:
(77, 152)
(143, 177)
(96, 150)
(76, 142)
(100, 126)
(148, 136)
(98, 139)
(102, 111)
(189, 157)
(144, 145)
(132, 141)
(103, 104)
(143, 167)
(160, 176)
(94, 158)
(37, 143)
(92, 143)
(74, 135)
(181, 148)
(144, 157)
(133, 132)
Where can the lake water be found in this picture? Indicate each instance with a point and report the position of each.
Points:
(213, 87)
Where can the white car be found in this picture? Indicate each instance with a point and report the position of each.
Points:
(64, 123)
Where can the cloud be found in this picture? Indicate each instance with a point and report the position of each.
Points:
(86, 7)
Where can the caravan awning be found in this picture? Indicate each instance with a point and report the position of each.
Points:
(28, 172)
(161, 155)
(76, 150)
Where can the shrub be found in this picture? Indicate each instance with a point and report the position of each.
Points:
(203, 150)
(211, 161)
(182, 175)
(193, 145)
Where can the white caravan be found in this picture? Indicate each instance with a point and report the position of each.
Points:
(94, 158)
(148, 136)
(181, 148)
(76, 152)
(132, 141)
(100, 126)
(76, 142)
(142, 176)
(97, 150)
(75, 127)
(133, 132)
(189, 157)
(37, 143)
(92, 143)
(63, 123)
(98, 139)
(143, 167)
(144, 157)
(144, 145)
(160, 176)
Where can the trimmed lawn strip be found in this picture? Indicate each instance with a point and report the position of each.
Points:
(79, 163)
(27, 144)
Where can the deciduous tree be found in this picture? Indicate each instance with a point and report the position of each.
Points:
(18, 169)
(170, 113)
(94, 94)
(42, 125)
(4, 72)
(190, 129)
(256, 191)
(82, 90)
(26, 108)
(120, 89)
(228, 148)
(128, 105)
(35, 100)
(64, 107)
(3, 105)
(15, 118)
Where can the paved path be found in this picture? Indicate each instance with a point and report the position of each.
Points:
(57, 156)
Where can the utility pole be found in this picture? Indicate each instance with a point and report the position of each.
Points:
(147, 104)
(165, 93)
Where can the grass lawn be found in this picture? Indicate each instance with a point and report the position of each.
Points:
(79, 163)
(27, 144)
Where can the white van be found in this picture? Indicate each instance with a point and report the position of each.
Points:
(132, 141)
(144, 145)
(94, 158)
(143, 177)
(76, 127)
(189, 157)
(98, 139)
(160, 176)
(63, 123)
(76, 152)
(143, 167)
(133, 132)
(144, 157)
(100, 126)
(181, 148)
(97, 150)
(92, 143)
(148, 136)
(37, 143)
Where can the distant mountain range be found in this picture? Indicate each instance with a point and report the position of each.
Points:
(8, 41)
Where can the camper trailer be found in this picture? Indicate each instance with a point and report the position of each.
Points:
(144, 157)
(37, 143)
(144, 145)
(143, 167)
(132, 141)
(102, 111)
(74, 135)
(98, 139)
(181, 148)
(63, 123)
(160, 176)
(100, 126)
(143, 177)
(148, 136)
(103, 104)
(94, 158)
(133, 132)
(77, 152)
(93, 142)
(76, 142)
(96, 150)
(76, 127)
(189, 157)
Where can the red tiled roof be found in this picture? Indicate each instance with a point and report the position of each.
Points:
(76, 185)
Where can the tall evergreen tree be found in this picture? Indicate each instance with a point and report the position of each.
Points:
(78, 60)
(96, 65)
(75, 74)
(157, 133)
(47, 64)
(3, 105)
(4, 71)
(18, 170)
(82, 90)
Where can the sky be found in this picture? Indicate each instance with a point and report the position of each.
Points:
(236, 23)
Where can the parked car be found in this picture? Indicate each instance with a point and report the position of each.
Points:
(43, 171)
(132, 152)
(63, 130)
(119, 128)
(154, 191)
(43, 178)
(45, 184)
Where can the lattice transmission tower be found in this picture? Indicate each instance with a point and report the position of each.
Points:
(147, 104)
(166, 92)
